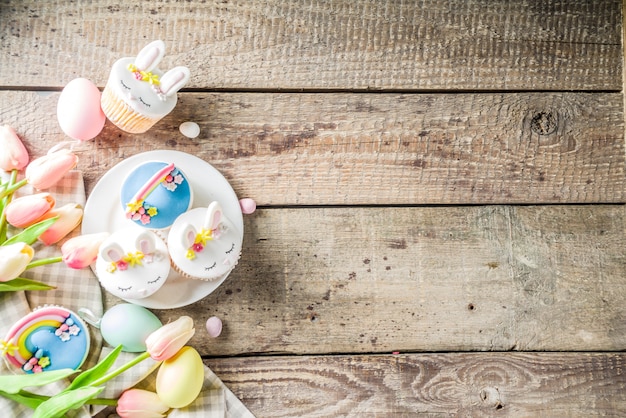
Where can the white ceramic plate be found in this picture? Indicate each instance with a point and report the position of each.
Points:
(104, 213)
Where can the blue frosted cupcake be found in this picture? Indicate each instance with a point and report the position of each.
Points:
(154, 194)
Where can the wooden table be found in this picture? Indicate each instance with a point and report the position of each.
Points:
(441, 227)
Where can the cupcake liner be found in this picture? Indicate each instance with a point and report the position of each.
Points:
(122, 115)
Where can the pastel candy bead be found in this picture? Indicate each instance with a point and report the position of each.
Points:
(128, 325)
(214, 326)
(247, 205)
(189, 129)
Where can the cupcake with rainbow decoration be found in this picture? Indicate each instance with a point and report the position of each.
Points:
(49, 338)
(154, 194)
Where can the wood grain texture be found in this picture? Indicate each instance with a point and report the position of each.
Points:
(377, 280)
(432, 385)
(340, 44)
(320, 149)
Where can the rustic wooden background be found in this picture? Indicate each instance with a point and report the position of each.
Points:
(441, 188)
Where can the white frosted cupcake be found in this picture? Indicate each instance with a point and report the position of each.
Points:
(138, 94)
(204, 244)
(132, 263)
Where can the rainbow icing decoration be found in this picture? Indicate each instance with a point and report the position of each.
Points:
(136, 209)
(50, 338)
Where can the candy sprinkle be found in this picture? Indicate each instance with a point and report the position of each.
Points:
(189, 129)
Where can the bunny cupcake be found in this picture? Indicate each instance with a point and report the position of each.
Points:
(138, 94)
(204, 244)
(132, 263)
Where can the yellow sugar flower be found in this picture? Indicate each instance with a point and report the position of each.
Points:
(134, 206)
(7, 347)
(44, 362)
(133, 259)
(203, 236)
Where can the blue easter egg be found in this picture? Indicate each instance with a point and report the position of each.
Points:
(128, 325)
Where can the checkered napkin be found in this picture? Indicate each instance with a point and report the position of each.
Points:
(79, 289)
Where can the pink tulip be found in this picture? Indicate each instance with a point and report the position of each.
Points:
(13, 260)
(27, 210)
(46, 171)
(167, 340)
(69, 215)
(14, 155)
(139, 403)
(79, 252)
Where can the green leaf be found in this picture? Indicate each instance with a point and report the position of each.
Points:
(96, 372)
(31, 400)
(15, 383)
(59, 404)
(30, 234)
(21, 283)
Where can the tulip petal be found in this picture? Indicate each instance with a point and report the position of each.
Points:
(167, 340)
(69, 215)
(13, 260)
(28, 210)
(46, 171)
(79, 252)
(14, 155)
(139, 403)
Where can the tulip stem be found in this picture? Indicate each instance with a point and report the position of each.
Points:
(43, 262)
(102, 401)
(12, 186)
(121, 370)
(5, 195)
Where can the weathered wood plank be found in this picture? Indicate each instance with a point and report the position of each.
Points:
(273, 44)
(362, 280)
(433, 385)
(316, 149)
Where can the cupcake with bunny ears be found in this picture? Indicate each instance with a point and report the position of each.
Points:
(137, 94)
(204, 244)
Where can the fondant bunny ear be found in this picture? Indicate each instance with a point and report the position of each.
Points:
(111, 252)
(188, 236)
(145, 242)
(174, 80)
(150, 56)
(213, 216)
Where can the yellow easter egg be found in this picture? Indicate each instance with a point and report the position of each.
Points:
(179, 379)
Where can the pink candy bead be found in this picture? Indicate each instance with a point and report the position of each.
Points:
(248, 205)
(214, 326)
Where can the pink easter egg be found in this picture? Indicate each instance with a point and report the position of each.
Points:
(78, 110)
